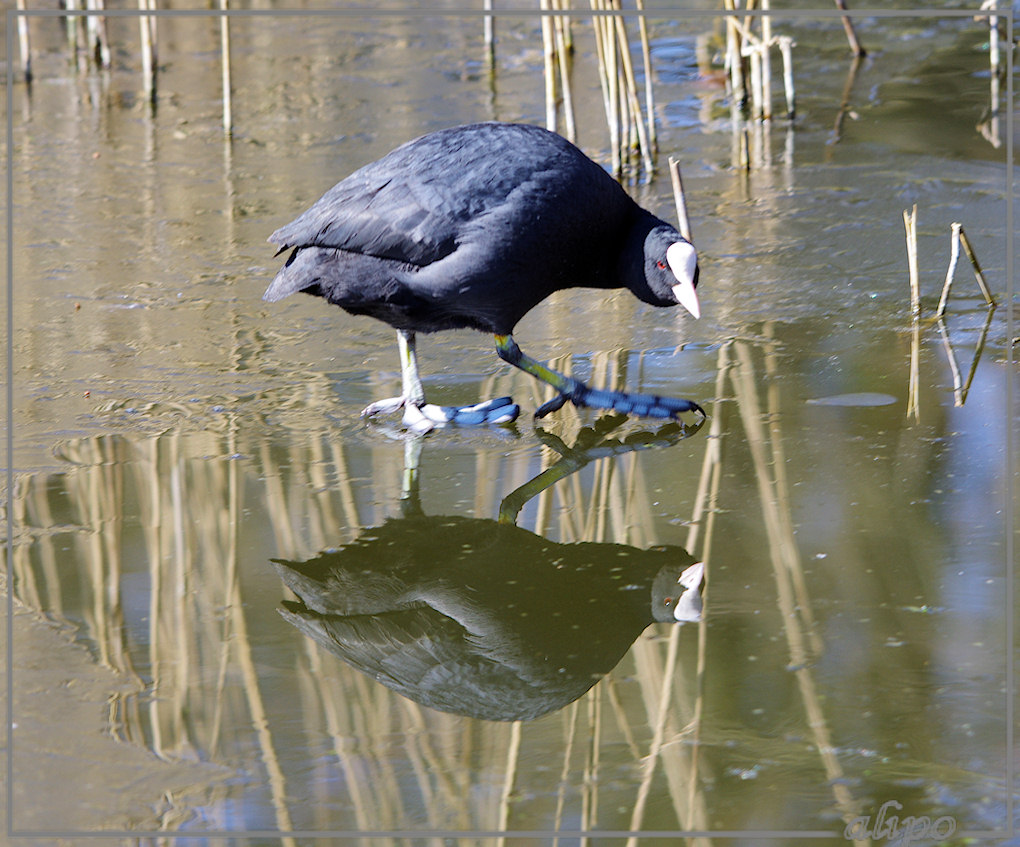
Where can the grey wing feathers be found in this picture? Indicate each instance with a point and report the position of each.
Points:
(414, 203)
(382, 219)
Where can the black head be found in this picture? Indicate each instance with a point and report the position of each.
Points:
(670, 265)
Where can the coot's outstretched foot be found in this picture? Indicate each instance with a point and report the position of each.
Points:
(642, 405)
(423, 417)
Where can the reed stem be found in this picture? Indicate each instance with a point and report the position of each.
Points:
(851, 33)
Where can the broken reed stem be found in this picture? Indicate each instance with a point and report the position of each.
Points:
(958, 237)
(978, 274)
(910, 225)
(680, 199)
(954, 255)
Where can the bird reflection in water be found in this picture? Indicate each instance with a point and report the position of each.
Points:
(483, 618)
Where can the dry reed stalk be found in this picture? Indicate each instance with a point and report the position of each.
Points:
(848, 26)
(786, 44)
(646, 57)
(598, 24)
(560, 27)
(993, 36)
(634, 105)
(734, 56)
(754, 54)
(605, 49)
(488, 29)
(549, 66)
(766, 62)
(910, 226)
(24, 41)
(147, 27)
(680, 199)
(954, 255)
(99, 44)
(228, 115)
(624, 128)
(978, 274)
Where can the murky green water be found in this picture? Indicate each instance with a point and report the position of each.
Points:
(174, 436)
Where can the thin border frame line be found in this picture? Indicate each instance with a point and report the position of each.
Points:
(1008, 493)
(9, 439)
(422, 12)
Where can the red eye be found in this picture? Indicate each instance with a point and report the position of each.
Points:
(661, 264)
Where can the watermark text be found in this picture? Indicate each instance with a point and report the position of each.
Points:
(903, 832)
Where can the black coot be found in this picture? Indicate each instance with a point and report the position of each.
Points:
(471, 227)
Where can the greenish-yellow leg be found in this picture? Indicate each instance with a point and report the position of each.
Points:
(643, 405)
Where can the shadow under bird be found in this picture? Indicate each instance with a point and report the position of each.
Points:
(471, 227)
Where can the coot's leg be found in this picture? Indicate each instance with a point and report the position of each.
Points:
(643, 405)
(420, 416)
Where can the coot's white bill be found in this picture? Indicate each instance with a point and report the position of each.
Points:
(683, 261)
